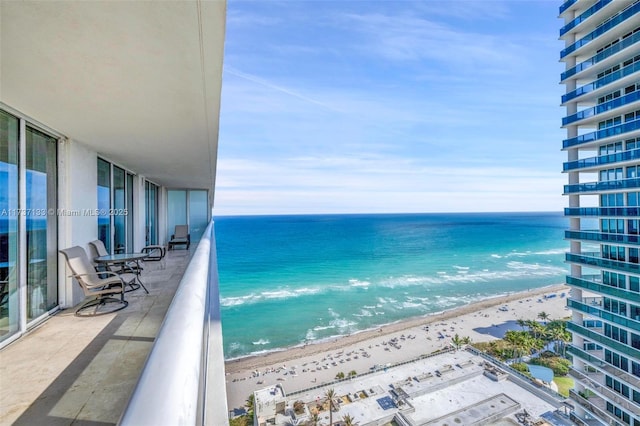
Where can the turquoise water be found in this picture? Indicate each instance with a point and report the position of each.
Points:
(287, 280)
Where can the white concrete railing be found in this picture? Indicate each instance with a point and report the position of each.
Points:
(183, 381)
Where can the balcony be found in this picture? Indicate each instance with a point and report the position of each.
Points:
(566, 5)
(595, 311)
(603, 107)
(595, 382)
(602, 160)
(601, 237)
(601, 82)
(85, 370)
(606, 53)
(596, 406)
(594, 283)
(618, 19)
(602, 211)
(595, 259)
(604, 340)
(586, 14)
(610, 185)
(602, 366)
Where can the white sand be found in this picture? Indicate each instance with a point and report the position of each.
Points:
(319, 363)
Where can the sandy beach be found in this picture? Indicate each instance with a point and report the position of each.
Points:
(311, 365)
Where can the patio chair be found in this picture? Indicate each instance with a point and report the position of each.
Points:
(98, 287)
(180, 236)
(119, 268)
(155, 252)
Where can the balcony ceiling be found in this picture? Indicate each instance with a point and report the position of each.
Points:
(138, 81)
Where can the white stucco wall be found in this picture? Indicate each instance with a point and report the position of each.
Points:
(77, 194)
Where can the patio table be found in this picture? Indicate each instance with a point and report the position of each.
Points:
(121, 259)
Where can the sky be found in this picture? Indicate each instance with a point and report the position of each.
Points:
(390, 107)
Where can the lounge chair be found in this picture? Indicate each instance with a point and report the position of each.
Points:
(98, 287)
(155, 252)
(180, 236)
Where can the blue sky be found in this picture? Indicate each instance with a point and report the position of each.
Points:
(390, 106)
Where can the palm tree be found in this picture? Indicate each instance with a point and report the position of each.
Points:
(457, 341)
(329, 394)
(535, 328)
(250, 404)
(340, 376)
(466, 340)
(543, 316)
(315, 419)
(557, 332)
(353, 373)
(348, 420)
(522, 323)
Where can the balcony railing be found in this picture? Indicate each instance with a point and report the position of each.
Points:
(603, 159)
(596, 260)
(566, 5)
(603, 81)
(621, 17)
(602, 237)
(592, 283)
(602, 390)
(602, 366)
(602, 314)
(610, 185)
(584, 15)
(609, 51)
(603, 416)
(604, 133)
(602, 211)
(183, 380)
(604, 340)
(603, 107)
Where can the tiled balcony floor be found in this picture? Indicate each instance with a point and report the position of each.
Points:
(81, 371)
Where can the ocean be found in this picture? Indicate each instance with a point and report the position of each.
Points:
(292, 280)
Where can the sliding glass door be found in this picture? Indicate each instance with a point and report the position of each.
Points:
(28, 224)
(115, 203)
(151, 213)
(188, 207)
(42, 230)
(9, 307)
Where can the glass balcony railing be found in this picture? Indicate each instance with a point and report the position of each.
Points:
(601, 365)
(595, 382)
(602, 237)
(593, 283)
(602, 186)
(584, 15)
(609, 51)
(602, 314)
(595, 260)
(602, 160)
(604, 107)
(602, 211)
(603, 417)
(601, 82)
(621, 17)
(602, 134)
(566, 5)
(604, 340)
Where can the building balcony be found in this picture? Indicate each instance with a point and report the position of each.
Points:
(601, 82)
(601, 56)
(611, 185)
(603, 160)
(595, 259)
(593, 283)
(597, 312)
(566, 5)
(583, 16)
(596, 235)
(603, 211)
(595, 382)
(607, 26)
(85, 370)
(604, 340)
(599, 364)
(602, 108)
(596, 406)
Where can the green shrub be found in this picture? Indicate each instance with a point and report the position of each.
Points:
(520, 366)
(560, 366)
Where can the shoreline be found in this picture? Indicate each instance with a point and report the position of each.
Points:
(282, 355)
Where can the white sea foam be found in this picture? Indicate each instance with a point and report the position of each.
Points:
(358, 283)
(363, 313)
(461, 268)
(261, 342)
(323, 327)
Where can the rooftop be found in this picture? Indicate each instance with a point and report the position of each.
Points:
(449, 388)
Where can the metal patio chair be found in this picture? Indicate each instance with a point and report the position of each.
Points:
(180, 236)
(99, 287)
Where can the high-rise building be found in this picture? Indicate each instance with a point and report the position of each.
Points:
(602, 101)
